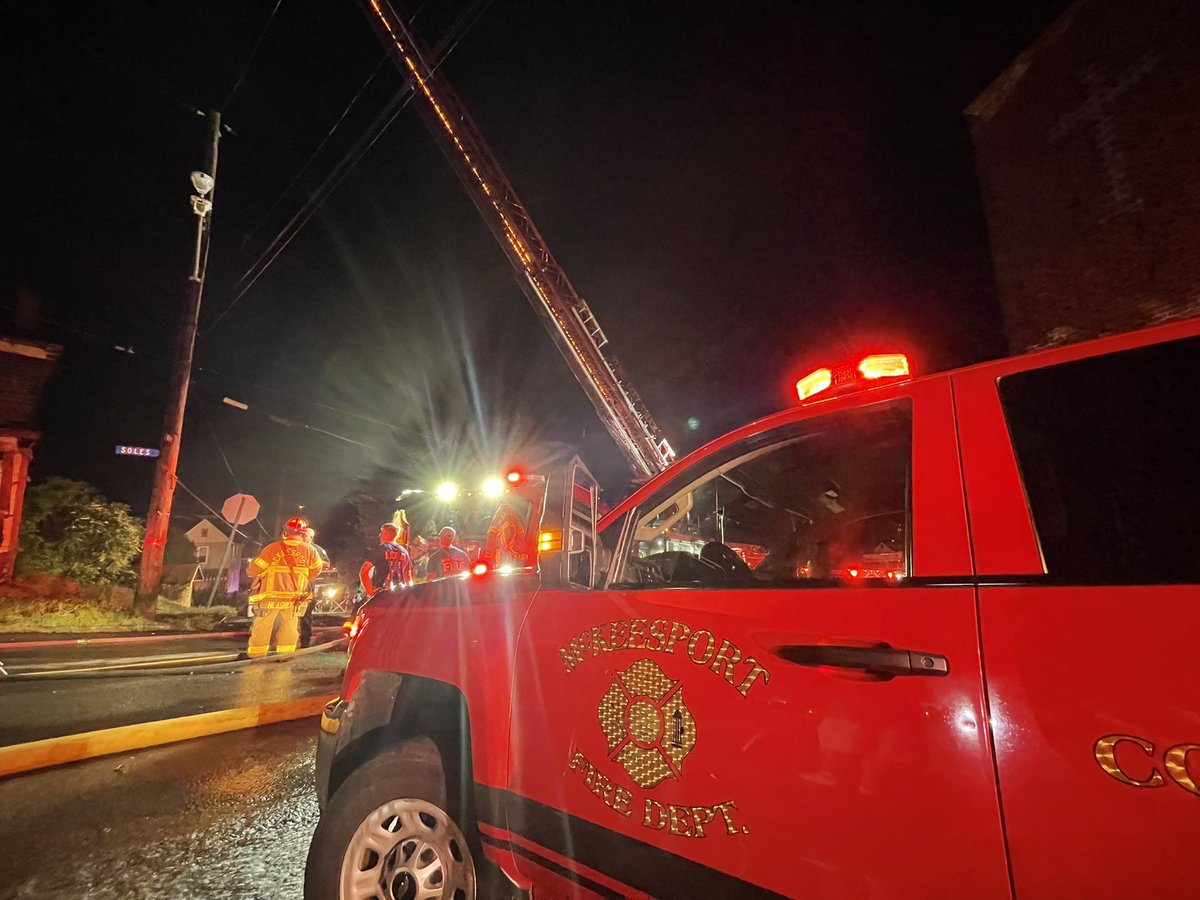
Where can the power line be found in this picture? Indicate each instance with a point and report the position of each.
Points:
(200, 373)
(258, 409)
(196, 497)
(216, 440)
(152, 356)
(321, 146)
(356, 153)
(253, 53)
(310, 207)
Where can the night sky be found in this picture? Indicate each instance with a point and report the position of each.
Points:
(741, 191)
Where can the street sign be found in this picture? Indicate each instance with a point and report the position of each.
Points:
(240, 509)
(123, 450)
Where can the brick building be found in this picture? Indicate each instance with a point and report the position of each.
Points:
(24, 367)
(1088, 150)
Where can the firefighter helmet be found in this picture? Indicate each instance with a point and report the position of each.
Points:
(295, 526)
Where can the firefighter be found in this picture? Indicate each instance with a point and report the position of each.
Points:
(403, 529)
(506, 543)
(388, 566)
(306, 617)
(447, 559)
(284, 570)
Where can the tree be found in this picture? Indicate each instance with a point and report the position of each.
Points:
(70, 529)
(352, 528)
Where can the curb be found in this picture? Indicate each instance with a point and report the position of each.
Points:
(75, 747)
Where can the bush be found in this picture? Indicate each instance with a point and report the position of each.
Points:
(70, 530)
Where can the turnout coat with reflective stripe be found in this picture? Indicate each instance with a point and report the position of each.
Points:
(284, 570)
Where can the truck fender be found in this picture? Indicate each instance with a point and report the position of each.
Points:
(389, 707)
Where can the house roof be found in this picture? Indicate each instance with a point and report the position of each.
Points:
(193, 534)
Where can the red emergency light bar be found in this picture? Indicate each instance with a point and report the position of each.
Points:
(878, 367)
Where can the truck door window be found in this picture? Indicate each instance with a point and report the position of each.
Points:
(1108, 450)
(825, 502)
(581, 532)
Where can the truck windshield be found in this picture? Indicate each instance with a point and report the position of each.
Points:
(829, 504)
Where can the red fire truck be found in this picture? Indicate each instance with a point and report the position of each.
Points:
(959, 662)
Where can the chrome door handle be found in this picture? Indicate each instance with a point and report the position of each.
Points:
(882, 660)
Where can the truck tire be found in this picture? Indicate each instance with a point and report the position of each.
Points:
(388, 834)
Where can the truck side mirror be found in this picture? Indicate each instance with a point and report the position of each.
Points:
(567, 538)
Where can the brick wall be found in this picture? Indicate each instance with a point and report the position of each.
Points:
(1088, 150)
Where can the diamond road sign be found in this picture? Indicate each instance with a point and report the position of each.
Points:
(122, 450)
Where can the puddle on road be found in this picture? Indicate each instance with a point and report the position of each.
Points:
(227, 817)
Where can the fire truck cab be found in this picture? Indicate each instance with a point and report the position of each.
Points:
(915, 637)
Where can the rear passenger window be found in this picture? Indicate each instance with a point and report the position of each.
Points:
(1109, 451)
(824, 501)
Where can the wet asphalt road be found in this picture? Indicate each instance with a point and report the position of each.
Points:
(228, 816)
(33, 710)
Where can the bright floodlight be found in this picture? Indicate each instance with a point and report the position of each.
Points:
(493, 487)
(202, 182)
(447, 491)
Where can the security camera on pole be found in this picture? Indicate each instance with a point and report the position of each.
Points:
(158, 517)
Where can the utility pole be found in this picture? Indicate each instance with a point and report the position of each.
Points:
(159, 516)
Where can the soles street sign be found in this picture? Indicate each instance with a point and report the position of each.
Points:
(122, 450)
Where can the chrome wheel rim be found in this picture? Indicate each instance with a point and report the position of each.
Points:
(407, 850)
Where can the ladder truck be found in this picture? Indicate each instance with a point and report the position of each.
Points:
(567, 317)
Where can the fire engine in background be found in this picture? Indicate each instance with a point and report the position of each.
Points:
(916, 637)
(483, 520)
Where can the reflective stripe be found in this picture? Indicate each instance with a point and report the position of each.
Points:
(264, 602)
(283, 570)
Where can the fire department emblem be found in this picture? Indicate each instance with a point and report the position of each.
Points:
(649, 728)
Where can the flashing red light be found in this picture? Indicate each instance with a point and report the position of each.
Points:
(853, 573)
(876, 367)
(513, 476)
(884, 365)
(813, 383)
(479, 569)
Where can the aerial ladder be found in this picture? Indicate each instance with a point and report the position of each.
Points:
(567, 317)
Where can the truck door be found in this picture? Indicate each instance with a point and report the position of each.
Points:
(1088, 601)
(777, 690)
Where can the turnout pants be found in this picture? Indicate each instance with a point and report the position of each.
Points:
(264, 624)
(306, 622)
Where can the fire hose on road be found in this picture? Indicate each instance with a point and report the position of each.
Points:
(67, 748)
(169, 664)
